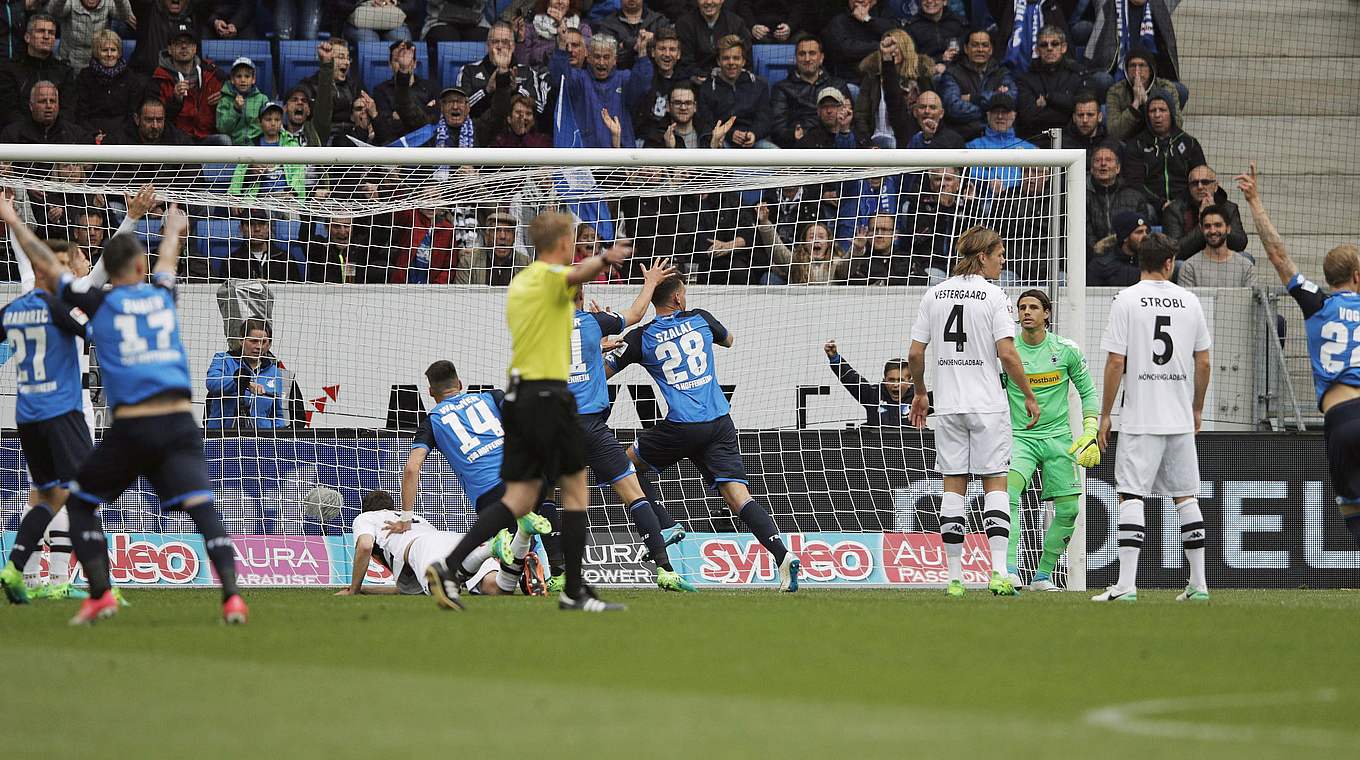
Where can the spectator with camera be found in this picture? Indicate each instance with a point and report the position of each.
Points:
(938, 32)
(248, 390)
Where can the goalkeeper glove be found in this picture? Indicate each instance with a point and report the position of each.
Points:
(1086, 450)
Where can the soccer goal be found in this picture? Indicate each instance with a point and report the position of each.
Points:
(361, 266)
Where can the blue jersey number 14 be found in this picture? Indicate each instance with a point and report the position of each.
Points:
(480, 418)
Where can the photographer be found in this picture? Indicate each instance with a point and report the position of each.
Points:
(247, 389)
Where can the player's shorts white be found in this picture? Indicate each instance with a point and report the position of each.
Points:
(1164, 465)
(435, 547)
(973, 443)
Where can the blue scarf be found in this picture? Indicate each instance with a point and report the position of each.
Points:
(465, 134)
(1029, 19)
(1147, 34)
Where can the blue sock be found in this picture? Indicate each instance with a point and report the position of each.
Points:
(1042, 576)
(30, 534)
(650, 530)
(762, 526)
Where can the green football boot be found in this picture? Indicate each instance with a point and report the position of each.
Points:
(669, 580)
(67, 591)
(12, 581)
(955, 590)
(1192, 594)
(500, 548)
(535, 524)
(1000, 585)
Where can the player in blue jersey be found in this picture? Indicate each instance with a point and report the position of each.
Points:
(605, 456)
(45, 334)
(146, 381)
(466, 428)
(676, 348)
(1332, 322)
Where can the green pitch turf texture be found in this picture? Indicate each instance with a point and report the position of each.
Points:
(1253, 674)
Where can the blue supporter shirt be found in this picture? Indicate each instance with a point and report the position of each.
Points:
(587, 380)
(136, 338)
(466, 429)
(677, 351)
(1333, 327)
(43, 332)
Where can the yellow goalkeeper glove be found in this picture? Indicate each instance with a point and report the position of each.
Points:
(1086, 450)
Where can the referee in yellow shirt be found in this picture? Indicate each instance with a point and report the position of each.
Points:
(543, 442)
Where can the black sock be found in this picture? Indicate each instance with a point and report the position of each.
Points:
(653, 494)
(489, 522)
(1352, 524)
(760, 524)
(650, 530)
(30, 534)
(208, 523)
(87, 538)
(574, 542)
(552, 543)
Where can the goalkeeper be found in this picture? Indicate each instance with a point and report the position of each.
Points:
(1051, 362)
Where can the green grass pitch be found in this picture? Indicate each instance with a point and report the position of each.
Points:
(756, 674)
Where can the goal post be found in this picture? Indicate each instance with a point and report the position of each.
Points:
(378, 261)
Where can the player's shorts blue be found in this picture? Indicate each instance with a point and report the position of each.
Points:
(55, 449)
(604, 453)
(1341, 431)
(711, 446)
(166, 449)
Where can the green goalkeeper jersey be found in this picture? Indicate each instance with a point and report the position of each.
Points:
(1049, 366)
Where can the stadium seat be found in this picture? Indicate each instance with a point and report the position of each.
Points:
(223, 52)
(128, 47)
(297, 61)
(373, 66)
(453, 56)
(216, 236)
(774, 62)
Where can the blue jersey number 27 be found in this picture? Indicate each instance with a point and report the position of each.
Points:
(30, 342)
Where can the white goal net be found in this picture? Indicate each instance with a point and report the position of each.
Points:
(366, 265)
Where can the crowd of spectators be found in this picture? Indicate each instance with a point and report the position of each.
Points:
(1001, 74)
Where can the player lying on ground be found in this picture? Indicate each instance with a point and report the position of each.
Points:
(543, 442)
(53, 412)
(406, 544)
(676, 349)
(1158, 344)
(1051, 362)
(146, 380)
(1333, 325)
(604, 454)
(887, 404)
(466, 428)
(968, 318)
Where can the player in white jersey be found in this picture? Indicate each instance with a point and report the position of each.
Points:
(408, 548)
(1158, 339)
(971, 323)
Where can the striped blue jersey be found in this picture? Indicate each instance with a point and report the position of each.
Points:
(466, 429)
(136, 338)
(43, 332)
(677, 351)
(1332, 323)
(587, 380)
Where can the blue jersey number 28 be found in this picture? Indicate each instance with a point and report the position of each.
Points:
(687, 349)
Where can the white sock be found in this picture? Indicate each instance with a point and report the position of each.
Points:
(33, 569)
(1192, 539)
(59, 557)
(952, 510)
(476, 558)
(507, 579)
(1130, 541)
(521, 544)
(59, 567)
(996, 520)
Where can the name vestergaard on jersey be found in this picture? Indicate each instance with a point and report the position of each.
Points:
(952, 294)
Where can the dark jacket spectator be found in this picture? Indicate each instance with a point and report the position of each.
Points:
(771, 14)
(650, 119)
(1124, 115)
(1057, 86)
(935, 35)
(1180, 222)
(18, 76)
(619, 92)
(1105, 202)
(196, 113)
(928, 116)
(884, 85)
(157, 22)
(880, 408)
(230, 20)
(747, 98)
(626, 32)
(730, 223)
(12, 17)
(517, 125)
(269, 262)
(699, 41)
(332, 257)
(475, 78)
(977, 81)
(853, 35)
(793, 100)
(1048, 13)
(935, 223)
(1116, 261)
(662, 226)
(402, 106)
(1160, 159)
(106, 96)
(1110, 44)
(1074, 137)
(346, 91)
(43, 124)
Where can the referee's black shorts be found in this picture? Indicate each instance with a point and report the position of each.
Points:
(55, 449)
(1341, 430)
(543, 439)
